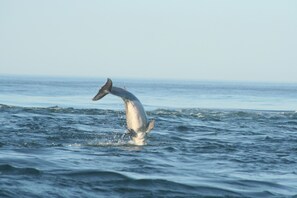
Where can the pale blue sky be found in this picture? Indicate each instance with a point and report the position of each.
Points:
(254, 40)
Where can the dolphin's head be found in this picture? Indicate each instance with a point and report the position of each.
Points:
(138, 138)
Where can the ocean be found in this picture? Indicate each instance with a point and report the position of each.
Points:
(211, 139)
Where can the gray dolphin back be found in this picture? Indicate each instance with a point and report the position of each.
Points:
(124, 94)
(108, 88)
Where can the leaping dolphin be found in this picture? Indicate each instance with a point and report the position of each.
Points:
(136, 118)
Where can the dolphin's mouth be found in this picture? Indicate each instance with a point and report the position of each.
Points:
(137, 138)
(139, 141)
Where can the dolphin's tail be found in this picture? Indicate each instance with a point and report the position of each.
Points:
(104, 90)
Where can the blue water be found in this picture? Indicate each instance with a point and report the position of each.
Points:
(211, 139)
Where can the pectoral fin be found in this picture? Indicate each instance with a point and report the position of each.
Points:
(131, 133)
(150, 126)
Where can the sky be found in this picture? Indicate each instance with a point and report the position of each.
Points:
(157, 39)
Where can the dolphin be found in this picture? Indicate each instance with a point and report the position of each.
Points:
(138, 125)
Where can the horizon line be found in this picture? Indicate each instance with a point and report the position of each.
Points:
(145, 78)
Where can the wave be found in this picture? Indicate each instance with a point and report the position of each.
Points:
(7, 169)
(125, 185)
(34, 127)
(91, 182)
(185, 146)
(122, 184)
(201, 113)
(54, 109)
(212, 115)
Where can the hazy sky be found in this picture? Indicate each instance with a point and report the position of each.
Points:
(253, 40)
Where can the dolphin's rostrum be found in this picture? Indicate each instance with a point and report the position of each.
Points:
(137, 122)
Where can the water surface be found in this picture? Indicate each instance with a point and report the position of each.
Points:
(218, 139)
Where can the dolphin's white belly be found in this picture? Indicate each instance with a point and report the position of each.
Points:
(135, 116)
